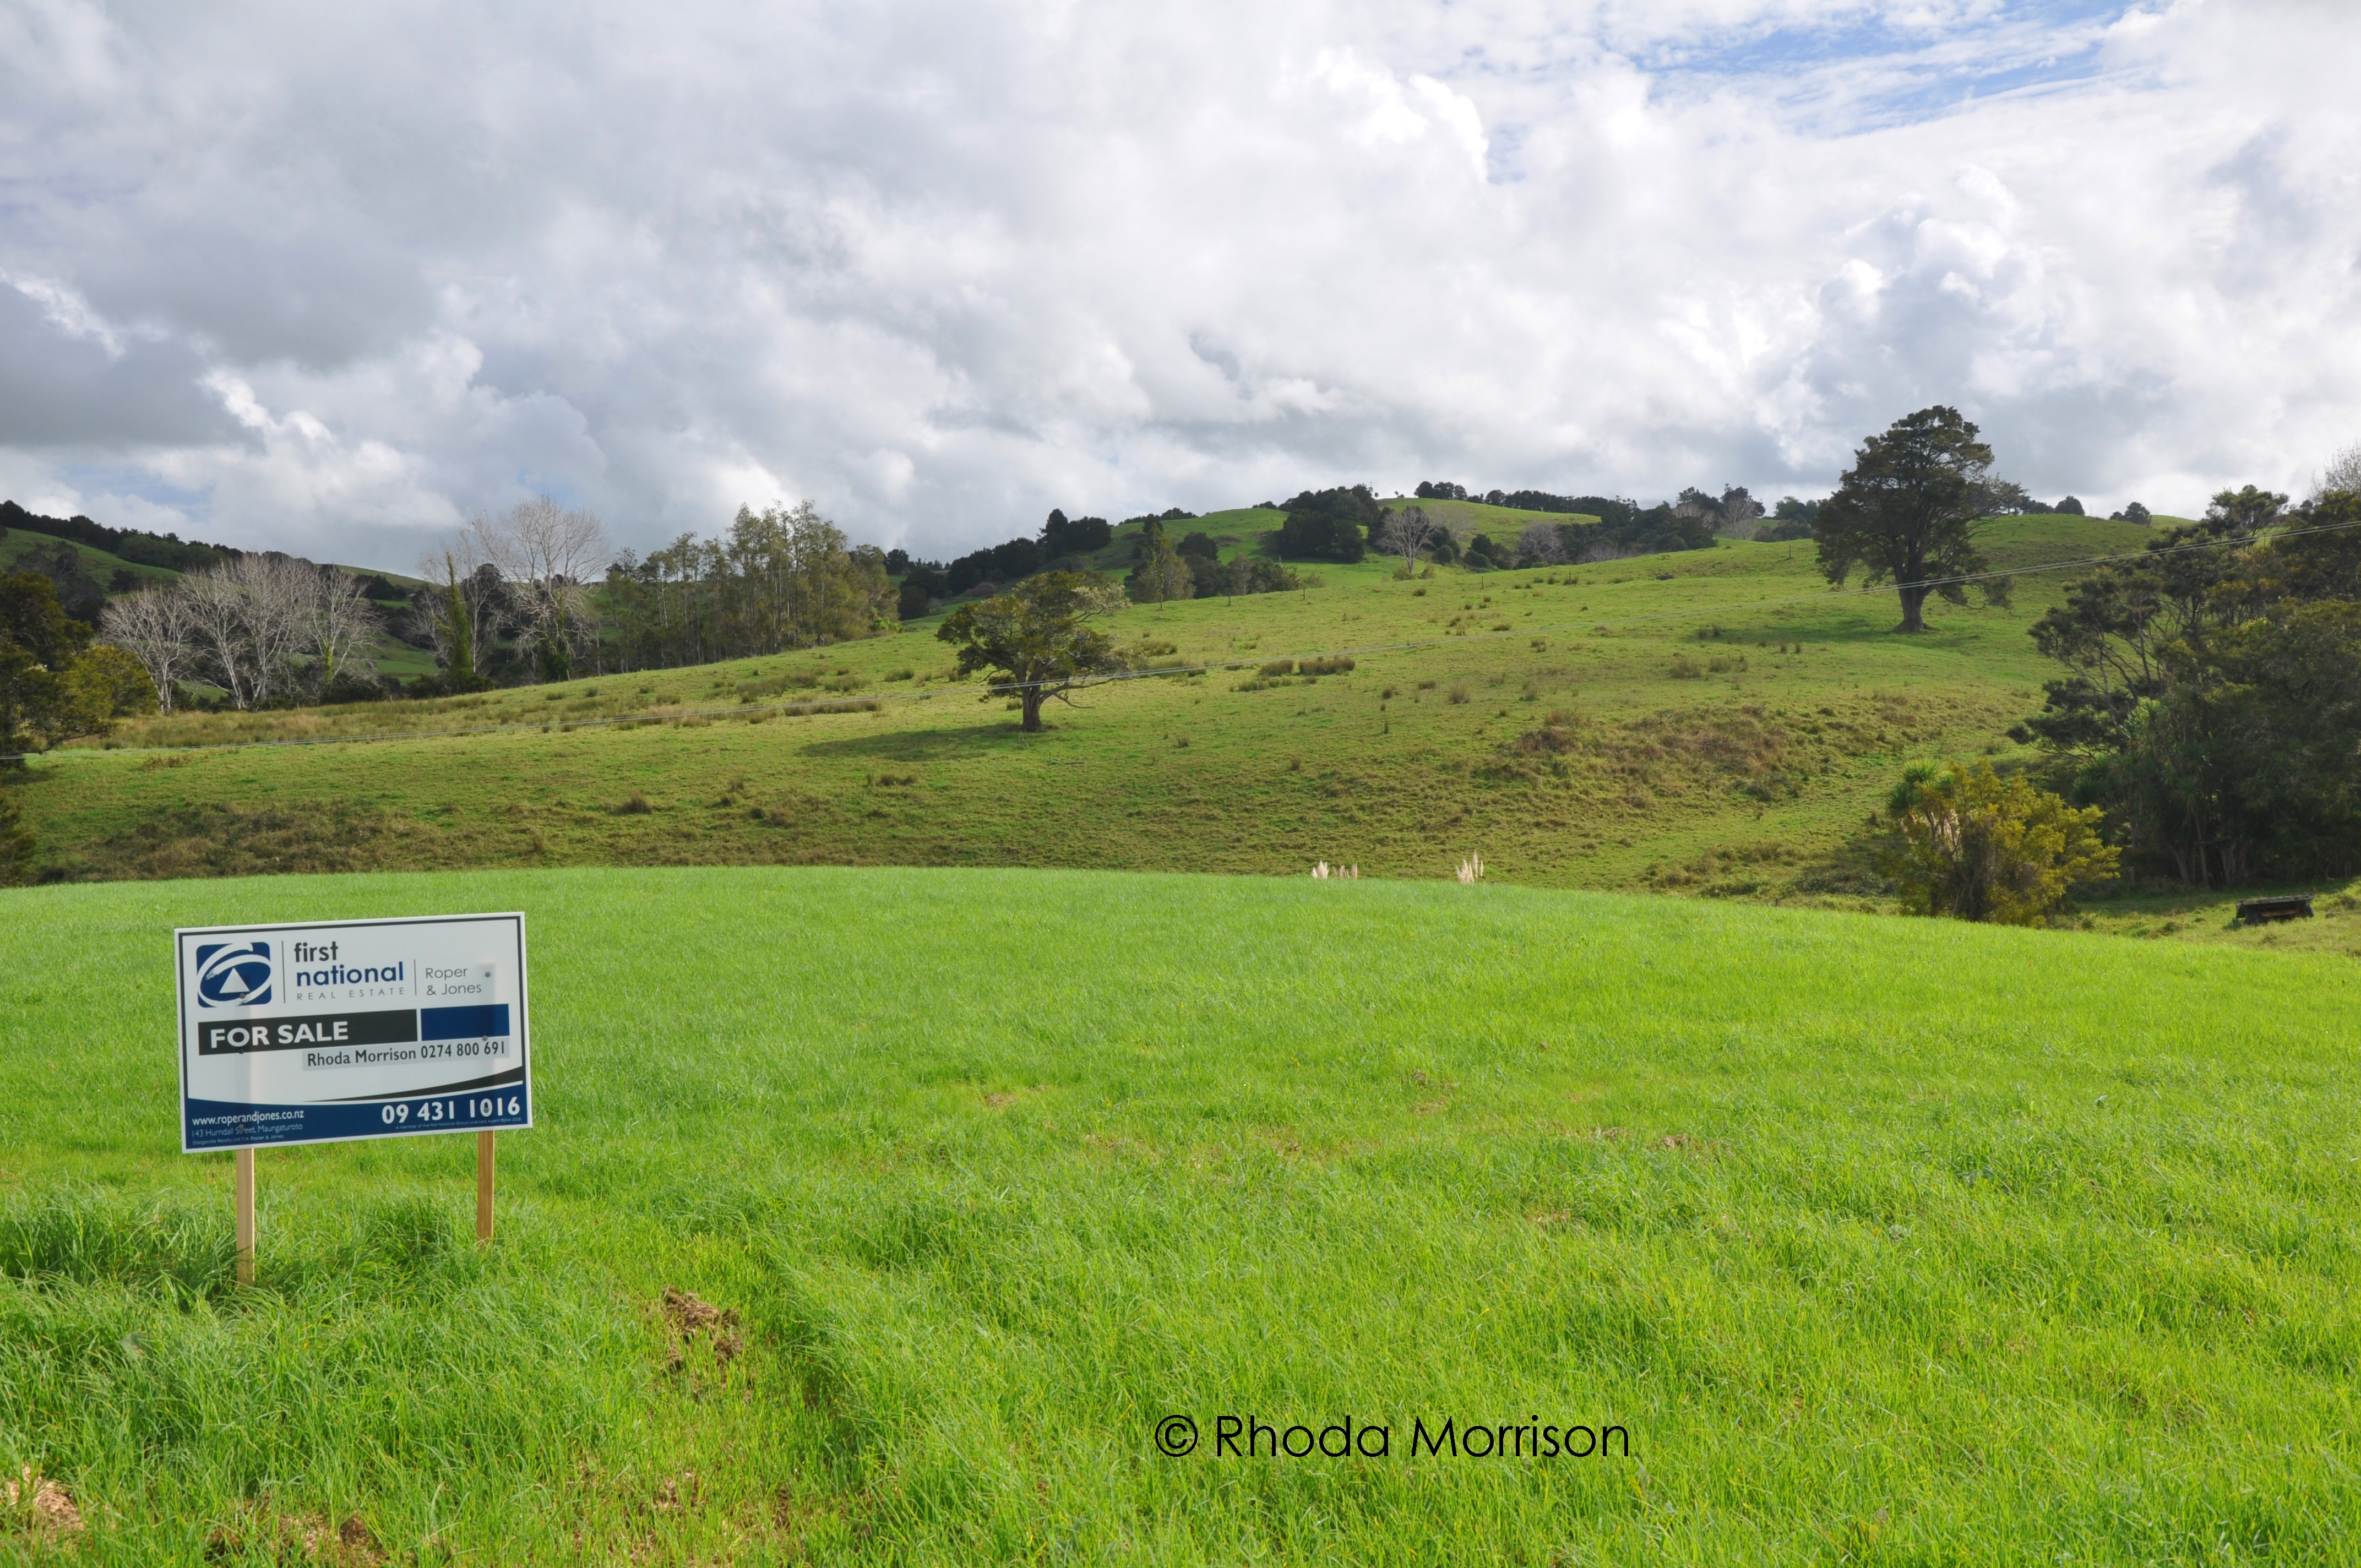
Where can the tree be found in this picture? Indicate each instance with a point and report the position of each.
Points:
(1161, 574)
(1977, 847)
(1036, 638)
(548, 554)
(78, 592)
(1483, 555)
(782, 577)
(2005, 497)
(1908, 512)
(462, 612)
(1738, 509)
(454, 627)
(2343, 474)
(1408, 533)
(1063, 536)
(1543, 544)
(2243, 513)
(2212, 696)
(53, 684)
(248, 622)
(105, 682)
(1334, 525)
(38, 642)
(156, 628)
(333, 619)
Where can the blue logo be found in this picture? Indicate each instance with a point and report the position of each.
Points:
(233, 977)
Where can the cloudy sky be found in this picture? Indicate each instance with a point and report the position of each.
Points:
(334, 278)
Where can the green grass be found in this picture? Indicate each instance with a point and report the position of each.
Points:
(101, 565)
(1886, 1241)
(1468, 519)
(1726, 725)
(1715, 723)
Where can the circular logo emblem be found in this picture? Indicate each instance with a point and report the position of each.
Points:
(233, 977)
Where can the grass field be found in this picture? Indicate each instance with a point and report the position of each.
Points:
(1884, 1241)
(1715, 721)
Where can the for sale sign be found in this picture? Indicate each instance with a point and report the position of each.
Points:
(317, 1033)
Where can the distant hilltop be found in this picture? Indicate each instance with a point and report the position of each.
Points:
(133, 544)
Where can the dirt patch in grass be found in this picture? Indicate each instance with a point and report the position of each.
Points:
(262, 1535)
(34, 1508)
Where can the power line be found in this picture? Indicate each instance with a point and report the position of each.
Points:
(1162, 672)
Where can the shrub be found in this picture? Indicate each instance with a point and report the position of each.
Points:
(1978, 847)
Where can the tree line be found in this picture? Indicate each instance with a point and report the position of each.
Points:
(778, 578)
(2205, 726)
(2209, 695)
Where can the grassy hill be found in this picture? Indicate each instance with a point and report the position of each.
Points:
(1715, 722)
(116, 575)
(1468, 519)
(19, 543)
(1881, 1240)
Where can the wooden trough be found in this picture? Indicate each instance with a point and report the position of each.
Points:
(2291, 907)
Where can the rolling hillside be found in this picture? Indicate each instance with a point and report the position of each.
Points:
(25, 547)
(1716, 722)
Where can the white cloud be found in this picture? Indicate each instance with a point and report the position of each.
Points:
(333, 280)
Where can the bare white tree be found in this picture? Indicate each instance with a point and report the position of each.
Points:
(1738, 512)
(549, 554)
(250, 619)
(216, 612)
(157, 628)
(1409, 532)
(334, 618)
(1542, 544)
(278, 589)
(2343, 473)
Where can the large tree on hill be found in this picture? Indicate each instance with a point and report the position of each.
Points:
(1908, 512)
(1333, 525)
(1036, 637)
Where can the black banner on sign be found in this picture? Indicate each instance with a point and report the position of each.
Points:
(237, 1036)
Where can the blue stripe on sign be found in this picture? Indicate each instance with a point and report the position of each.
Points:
(462, 1023)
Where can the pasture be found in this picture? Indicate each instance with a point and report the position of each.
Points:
(1710, 722)
(1880, 1240)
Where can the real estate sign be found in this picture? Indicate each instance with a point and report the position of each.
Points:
(321, 1032)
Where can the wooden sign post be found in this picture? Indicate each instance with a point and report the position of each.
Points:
(484, 1187)
(336, 1030)
(246, 1216)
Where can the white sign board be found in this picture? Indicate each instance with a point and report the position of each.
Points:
(318, 1033)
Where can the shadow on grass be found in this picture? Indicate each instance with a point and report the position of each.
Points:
(928, 745)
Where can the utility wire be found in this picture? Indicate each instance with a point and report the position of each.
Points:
(811, 707)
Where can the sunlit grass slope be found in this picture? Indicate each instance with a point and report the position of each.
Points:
(1716, 721)
(1885, 1241)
